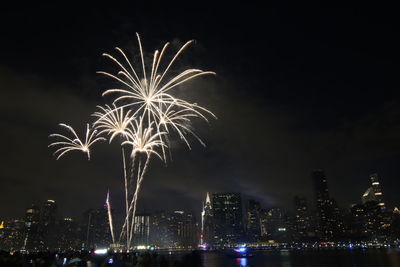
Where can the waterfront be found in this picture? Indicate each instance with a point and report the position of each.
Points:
(309, 258)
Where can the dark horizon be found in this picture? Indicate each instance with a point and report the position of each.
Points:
(296, 90)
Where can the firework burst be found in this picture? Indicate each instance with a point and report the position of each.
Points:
(144, 140)
(148, 93)
(112, 121)
(75, 143)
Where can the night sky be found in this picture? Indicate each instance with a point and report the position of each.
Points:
(297, 89)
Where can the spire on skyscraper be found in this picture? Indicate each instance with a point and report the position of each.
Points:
(208, 201)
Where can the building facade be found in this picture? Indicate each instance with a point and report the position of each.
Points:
(228, 219)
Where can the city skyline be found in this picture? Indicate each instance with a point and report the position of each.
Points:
(295, 90)
(325, 197)
(226, 220)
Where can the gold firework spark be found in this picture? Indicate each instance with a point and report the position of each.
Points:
(144, 139)
(75, 143)
(112, 121)
(149, 92)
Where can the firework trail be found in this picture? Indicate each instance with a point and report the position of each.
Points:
(144, 141)
(69, 144)
(109, 216)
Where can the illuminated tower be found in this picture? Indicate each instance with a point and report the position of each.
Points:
(253, 221)
(302, 218)
(228, 219)
(32, 219)
(207, 231)
(377, 190)
(327, 211)
(48, 225)
(184, 230)
(142, 230)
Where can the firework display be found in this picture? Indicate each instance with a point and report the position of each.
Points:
(143, 114)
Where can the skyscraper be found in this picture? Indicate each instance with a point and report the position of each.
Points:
(48, 225)
(329, 223)
(358, 224)
(377, 190)
(160, 234)
(302, 219)
(32, 220)
(253, 220)
(275, 225)
(207, 227)
(97, 232)
(228, 219)
(184, 229)
(68, 235)
(142, 230)
(378, 218)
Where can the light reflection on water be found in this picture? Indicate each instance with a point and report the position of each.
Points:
(241, 262)
(285, 258)
(311, 258)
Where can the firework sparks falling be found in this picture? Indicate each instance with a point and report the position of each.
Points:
(144, 140)
(75, 143)
(150, 94)
(112, 121)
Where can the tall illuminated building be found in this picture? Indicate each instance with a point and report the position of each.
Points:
(68, 235)
(329, 221)
(275, 225)
(302, 219)
(142, 230)
(322, 203)
(207, 226)
(32, 221)
(253, 220)
(377, 190)
(228, 219)
(48, 225)
(160, 234)
(377, 217)
(96, 229)
(184, 230)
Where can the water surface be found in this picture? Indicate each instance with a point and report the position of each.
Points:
(309, 258)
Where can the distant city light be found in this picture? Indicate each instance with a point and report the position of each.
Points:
(100, 251)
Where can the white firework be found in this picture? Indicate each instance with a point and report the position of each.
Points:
(149, 93)
(112, 121)
(75, 143)
(144, 139)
